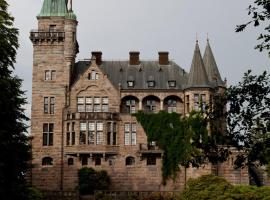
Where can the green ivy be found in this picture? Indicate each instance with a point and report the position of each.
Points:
(181, 139)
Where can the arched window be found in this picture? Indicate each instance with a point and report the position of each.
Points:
(46, 161)
(130, 161)
(70, 161)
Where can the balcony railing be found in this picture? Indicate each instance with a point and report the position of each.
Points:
(41, 35)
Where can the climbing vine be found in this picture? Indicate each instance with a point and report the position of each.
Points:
(181, 138)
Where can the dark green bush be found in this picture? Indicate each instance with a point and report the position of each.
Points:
(91, 180)
(34, 194)
(216, 188)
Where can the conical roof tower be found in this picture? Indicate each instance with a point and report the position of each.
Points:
(197, 75)
(211, 67)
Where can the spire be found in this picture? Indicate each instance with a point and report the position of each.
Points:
(197, 75)
(211, 66)
(54, 8)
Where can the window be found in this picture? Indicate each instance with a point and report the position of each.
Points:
(48, 134)
(50, 75)
(130, 134)
(130, 83)
(187, 103)
(84, 160)
(111, 133)
(70, 161)
(199, 102)
(131, 106)
(92, 104)
(151, 160)
(196, 102)
(172, 104)
(70, 136)
(97, 161)
(80, 104)
(99, 133)
(93, 75)
(151, 83)
(82, 133)
(47, 161)
(52, 28)
(105, 104)
(172, 84)
(49, 103)
(151, 106)
(91, 133)
(130, 161)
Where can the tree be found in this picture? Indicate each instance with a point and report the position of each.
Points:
(260, 13)
(248, 120)
(14, 146)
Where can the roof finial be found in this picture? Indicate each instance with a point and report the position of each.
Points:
(71, 9)
(207, 37)
(197, 38)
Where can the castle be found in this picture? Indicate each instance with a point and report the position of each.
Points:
(82, 111)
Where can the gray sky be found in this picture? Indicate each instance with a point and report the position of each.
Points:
(117, 26)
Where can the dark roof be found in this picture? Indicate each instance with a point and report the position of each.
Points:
(211, 67)
(197, 75)
(120, 72)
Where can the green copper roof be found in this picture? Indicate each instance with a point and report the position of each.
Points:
(71, 15)
(52, 8)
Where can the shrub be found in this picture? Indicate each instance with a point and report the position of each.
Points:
(216, 188)
(34, 194)
(91, 180)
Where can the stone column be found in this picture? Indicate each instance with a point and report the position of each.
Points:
(161, 105)
(140, 104)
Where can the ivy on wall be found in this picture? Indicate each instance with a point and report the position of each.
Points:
(181, 138)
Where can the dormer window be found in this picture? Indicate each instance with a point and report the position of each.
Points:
(151, 83)
(172, 84)
(130, 83)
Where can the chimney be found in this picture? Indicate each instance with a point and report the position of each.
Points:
(163, 57)
(98, 55)
(134, 58)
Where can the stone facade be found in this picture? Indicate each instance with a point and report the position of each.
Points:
(83, 117)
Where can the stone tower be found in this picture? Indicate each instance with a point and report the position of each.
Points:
(55, 48)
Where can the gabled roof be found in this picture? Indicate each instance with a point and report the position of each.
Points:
(53, 8)
(211, 67)
(197, 75)
(120, 72)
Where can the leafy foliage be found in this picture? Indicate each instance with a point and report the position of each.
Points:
(210, 187)
(181, 138)
(259, 12)
(14, 146)
(91, 180)
(249, 118)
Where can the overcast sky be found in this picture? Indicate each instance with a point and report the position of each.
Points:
(116, 27)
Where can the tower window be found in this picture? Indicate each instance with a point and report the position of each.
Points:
(47, 161)
(48, 134)
(93, 75)
(50, 75)
(52, 28)
(49, 103)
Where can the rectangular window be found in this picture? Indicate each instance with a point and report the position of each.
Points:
(48, 129)
(47, 75)
(91, 133)
(99, 133)
(80, 104)
(105, 104)
(130, 134)
(187, 104)
(88, 104)
(196, 102)
(82, 133)
(46, 105)
(53, 75)
(151, 160)
(68, 134)
(52, 102)
(49, 103)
